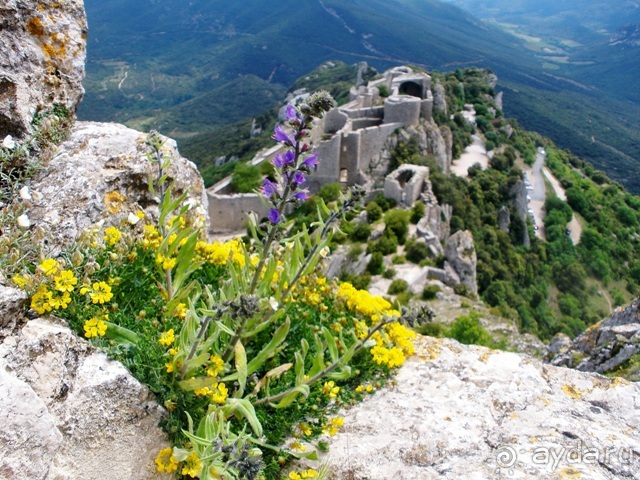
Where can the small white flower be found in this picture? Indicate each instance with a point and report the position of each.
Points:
(324, 252)
(274, 304)
(24, 193)
(23, 221)
(8, 142)
(133, 218)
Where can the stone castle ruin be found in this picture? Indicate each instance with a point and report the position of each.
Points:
(354, 142)
(351, 139)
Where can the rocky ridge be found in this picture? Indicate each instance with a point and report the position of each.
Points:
(603, 347)
(457, 411)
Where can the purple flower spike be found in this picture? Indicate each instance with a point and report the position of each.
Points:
(280, 161)
(274, 216)
(301, 196)
(311, 160)
(298, 178)
(292, 113)
(269, 188)
(279, 135)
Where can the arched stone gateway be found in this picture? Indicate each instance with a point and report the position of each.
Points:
(411, 88)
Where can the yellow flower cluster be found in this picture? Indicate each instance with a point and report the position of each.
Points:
(313, 290)
(218, 392)
(167, 262)
(50, 297)
(151, 238)
(180, 311)
(364, 388)
(329, 389)
(220, 253)
(333, 426)
(112, 236)
(363, 302)
(167, 338)
(94, 327)
(192, 465)
(99, 292)
(309, 473)
(165, 460)
(216, 366)
(393, 344)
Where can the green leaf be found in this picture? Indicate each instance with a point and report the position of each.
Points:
(279, 336)
(276, 372)
(120, 334)
(241, 407)
(291, 397)
(196, 383)
(241, 366)
(331, 343)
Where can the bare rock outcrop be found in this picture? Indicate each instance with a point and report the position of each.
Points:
(68, 412)
(42, 55)
(602, 347)
(457, 411)
(101, 171)
(461, 261)
(439, 98)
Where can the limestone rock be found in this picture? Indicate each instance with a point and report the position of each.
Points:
(99, 172)
(11, 310)
(80, 414)
(461, 260)
(498, 100)
(29, 438)
(504, 219)
(42, 55)
(444, 162)
(467, 412)
(439, 98)
(602, 347)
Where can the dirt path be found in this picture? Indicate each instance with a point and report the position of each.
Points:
(474, 153)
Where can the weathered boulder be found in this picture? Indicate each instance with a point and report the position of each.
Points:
(68, 412)
(461, 262)
(504, 219)
(101, 173)
(340, 261)
(42, 55)
(467, 412)
(602, 347)
(439, 98)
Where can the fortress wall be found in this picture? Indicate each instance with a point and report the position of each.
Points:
(229, 212)
(373, 112)
(361, 123)
(402, 109)
(334, 121)
(349, 156)
(328, 170)
(426, 108)
(373, 141)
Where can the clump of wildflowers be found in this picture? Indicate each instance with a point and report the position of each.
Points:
(297, 161)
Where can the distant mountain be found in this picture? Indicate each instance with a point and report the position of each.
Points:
(187, 68)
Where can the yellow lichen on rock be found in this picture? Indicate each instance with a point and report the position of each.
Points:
(572, 391)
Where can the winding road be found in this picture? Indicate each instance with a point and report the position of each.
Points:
(536, 176)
